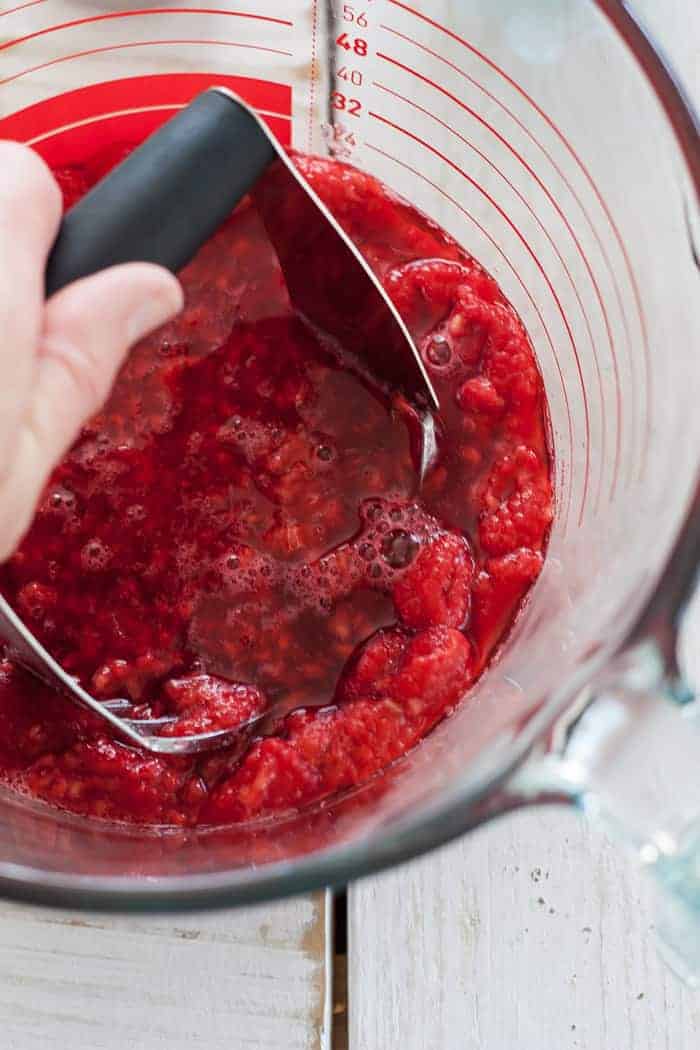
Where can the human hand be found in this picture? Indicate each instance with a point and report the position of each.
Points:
(58, 358)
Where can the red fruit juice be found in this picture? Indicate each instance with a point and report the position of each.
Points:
(241, 530)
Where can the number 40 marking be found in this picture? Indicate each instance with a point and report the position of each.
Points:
(354, 76)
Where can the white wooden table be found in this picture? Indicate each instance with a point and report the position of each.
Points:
(530, 934)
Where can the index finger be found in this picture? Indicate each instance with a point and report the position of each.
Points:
(30, 212)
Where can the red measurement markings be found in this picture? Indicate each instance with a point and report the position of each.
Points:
(344, 136)
(356, 44)
(592, 183)
(460, 171)
(526, 204)
(358, 18)
(64, 146)
(157, 93)
(111, 15)
(21, 7)
(356, 47)
(526, 290)
(352, 76)
(557, 207)
(341, 102)
(143, 43)
(612, 272)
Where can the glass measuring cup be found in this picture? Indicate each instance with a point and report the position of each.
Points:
(549, 140)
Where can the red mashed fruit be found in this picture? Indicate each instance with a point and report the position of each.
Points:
(241, 532)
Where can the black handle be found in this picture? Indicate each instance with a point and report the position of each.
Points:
(168, 196)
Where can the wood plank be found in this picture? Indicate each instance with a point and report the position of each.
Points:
(257, 979)
(533, 933)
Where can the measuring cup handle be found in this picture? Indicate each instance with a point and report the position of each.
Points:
(629, 759)
(168, 196)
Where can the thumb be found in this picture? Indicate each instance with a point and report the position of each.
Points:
(88, 329)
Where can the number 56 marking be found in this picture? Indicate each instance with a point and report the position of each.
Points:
(351, 15)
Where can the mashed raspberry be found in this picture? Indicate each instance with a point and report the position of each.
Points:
(241, 530)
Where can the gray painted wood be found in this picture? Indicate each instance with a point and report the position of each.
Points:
(533, 933)
(256, 979)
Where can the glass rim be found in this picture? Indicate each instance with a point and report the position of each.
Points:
(451, 816)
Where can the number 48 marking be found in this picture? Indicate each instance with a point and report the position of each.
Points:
(356, 44)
